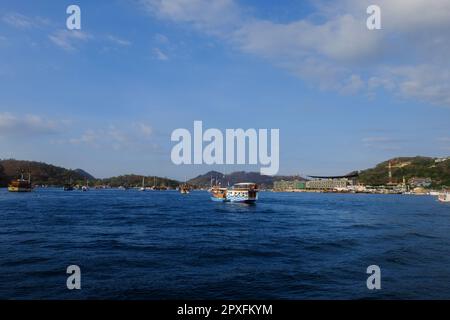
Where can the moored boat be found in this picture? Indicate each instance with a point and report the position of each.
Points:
(68, 186)
(185, 189)
(143, 185)
(21, 185)
(444, 197)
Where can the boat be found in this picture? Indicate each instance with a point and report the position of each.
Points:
(218, 193)
(245, 192)
(143, 185)
(21, 185)
(444, 197)
(68, 186)
(184, 188)
(85, 187)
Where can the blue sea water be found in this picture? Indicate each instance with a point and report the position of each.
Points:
(164, 245)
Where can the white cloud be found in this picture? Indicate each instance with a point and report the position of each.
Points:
(158, 54)
(17, 20)
(118, 138)
(145, 129)
(332, 48)
(68, 39)
(161, 38)
(383, 143)
(119, 41)
(28, 125)
(21, 21)
(214, 17)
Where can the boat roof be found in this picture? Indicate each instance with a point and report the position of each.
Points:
(244, 183)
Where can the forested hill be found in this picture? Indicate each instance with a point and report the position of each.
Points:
(41, 173)
(409, 167)
(47, 174)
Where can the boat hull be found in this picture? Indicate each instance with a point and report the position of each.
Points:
(18, 189)
(215, 199)
(444, 197)
(240, 193)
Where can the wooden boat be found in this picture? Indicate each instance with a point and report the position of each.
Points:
(21, 185)
(218, 193)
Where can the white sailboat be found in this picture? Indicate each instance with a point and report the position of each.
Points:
(143, 184)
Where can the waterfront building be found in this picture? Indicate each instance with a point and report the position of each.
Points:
(439, 160)
(283, 185)
(332, 182)
(420, 182)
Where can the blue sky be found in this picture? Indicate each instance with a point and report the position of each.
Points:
(107, 98)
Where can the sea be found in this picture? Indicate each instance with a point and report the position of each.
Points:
(164, 245)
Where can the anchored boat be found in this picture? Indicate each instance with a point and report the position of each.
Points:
(444, 197)
(246, 192)
(21, 185)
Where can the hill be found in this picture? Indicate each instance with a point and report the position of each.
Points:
(133, 180)
(47, 174)
(409, 167)
(84, 174)
(41, 173)
(264, 181)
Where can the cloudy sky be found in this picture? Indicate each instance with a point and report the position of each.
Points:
(106, 98)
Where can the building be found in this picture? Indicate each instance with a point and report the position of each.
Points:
(420, 182)
(292, 185)
(332, 182)
(439, 160)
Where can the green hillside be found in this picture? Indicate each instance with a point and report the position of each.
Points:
(133, 180)
(41, 173)
(408, 167)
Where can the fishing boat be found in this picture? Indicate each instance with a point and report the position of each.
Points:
(246, 192)
(444, 197)
(21, 185)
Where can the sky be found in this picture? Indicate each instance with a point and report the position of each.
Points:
(106, 98)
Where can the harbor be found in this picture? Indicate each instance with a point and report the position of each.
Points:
(239, 187)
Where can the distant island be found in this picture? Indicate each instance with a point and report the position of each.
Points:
(434, 170)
